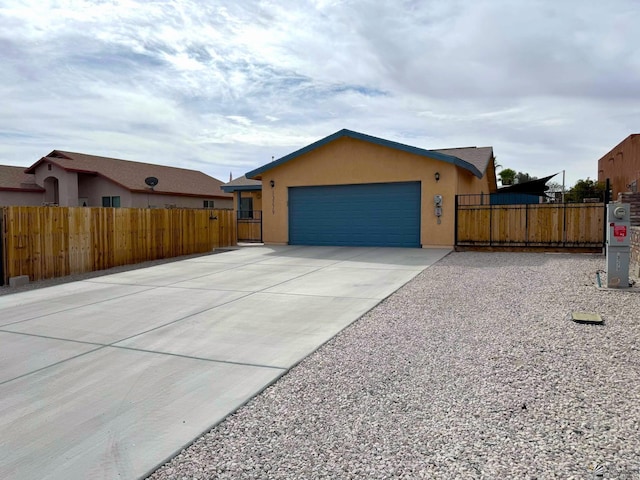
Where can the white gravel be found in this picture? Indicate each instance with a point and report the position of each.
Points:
(471, 370)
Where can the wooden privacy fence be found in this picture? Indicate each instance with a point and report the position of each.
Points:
(47, 242)
(568, 225)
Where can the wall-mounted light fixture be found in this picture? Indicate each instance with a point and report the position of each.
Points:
(272, 183)
(437, 176)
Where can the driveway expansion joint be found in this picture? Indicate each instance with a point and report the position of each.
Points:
(210, 360)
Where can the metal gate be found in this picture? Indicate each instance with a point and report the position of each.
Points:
(2, 259)
(481, 223)
(249, 226)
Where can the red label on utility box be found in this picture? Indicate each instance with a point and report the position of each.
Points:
(620, 231)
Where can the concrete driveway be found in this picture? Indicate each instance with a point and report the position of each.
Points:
(109, 377)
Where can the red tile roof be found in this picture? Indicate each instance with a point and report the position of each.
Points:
(132, 175)
(15, 178)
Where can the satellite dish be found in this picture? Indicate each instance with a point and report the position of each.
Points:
(151, 181)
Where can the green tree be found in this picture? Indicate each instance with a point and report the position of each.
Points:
(586, 189)
(523, 177)
(507, 176)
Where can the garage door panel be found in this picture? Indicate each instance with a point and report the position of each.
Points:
(384, 214)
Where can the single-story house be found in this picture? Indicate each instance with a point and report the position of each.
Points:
(18, 187)
(77, 179)
(355, 189)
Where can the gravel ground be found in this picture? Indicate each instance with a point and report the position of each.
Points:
(471, 370)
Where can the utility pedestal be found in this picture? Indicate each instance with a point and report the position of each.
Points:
(618, 247)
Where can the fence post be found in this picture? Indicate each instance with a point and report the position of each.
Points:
(490, 224)
(526, 224)
(2, 236)
(564, 224)
(607, 199)
(455, 225)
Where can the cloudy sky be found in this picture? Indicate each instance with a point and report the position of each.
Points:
(223, 85)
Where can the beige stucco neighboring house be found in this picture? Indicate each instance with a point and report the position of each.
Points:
(18, 187)
(355, 189)
(77, 179)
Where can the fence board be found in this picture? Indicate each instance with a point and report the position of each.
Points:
(47, 242)
(533, 225)
(80, 258)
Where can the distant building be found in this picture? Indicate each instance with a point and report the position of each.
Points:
(621, 166)
(76, 179)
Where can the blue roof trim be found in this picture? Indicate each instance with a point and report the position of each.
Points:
(367, 138)
(244, 188)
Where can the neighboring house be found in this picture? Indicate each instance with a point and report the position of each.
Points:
(622, 166)
(247, 195)
(19, 188)
(76, 179)
(354, 189)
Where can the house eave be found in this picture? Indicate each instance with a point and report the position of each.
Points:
(257, 173)
(241, 188)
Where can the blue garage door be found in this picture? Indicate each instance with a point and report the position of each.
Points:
(372, 215)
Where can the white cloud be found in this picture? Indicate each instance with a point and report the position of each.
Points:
(225, 85)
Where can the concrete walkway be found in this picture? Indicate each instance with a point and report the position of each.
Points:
(109, 377)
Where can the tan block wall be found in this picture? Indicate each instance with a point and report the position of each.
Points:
(634, 268)
(349, 161)
(634, 200)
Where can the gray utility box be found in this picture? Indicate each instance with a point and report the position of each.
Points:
(619, 225)
(618, 267)
(618, 244)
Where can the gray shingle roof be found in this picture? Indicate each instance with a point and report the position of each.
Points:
(242, 183)
(476, 156)
(15, 178)
(131, 175)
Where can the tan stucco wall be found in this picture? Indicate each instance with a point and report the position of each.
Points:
(257, 199)
(142, 200)
(93, 188)
(67, 183)
(27, 199)
(349, 161)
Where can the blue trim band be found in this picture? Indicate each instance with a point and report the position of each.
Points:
(239, 188)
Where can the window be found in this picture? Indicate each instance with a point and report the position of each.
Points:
(246, 207)
(208, 204)
(111, 201)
